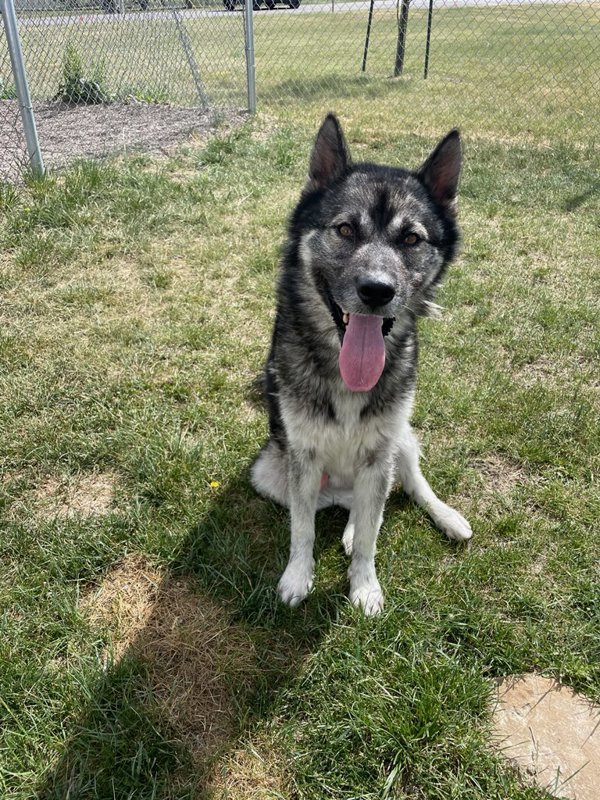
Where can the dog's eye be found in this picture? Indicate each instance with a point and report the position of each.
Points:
(345, 230)
(411, 239)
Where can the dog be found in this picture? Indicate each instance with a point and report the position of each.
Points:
(367, 247)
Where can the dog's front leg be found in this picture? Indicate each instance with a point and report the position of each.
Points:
(304, 481)
(448, 520)
(371, 487)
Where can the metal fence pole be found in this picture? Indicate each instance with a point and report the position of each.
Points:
(249, 43)
(368, 36)
(18, 68)
(428, 42)
(189, 54)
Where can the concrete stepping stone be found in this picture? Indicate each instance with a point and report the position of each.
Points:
(551, 734)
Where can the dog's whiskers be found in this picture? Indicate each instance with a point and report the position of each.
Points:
(433, 309)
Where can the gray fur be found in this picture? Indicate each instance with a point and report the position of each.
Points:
(361, 439)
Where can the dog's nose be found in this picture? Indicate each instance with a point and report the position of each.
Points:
(374, 293)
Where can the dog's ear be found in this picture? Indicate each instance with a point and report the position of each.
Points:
(441, 171)
(330, 156)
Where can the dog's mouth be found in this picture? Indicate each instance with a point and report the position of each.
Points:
(362, 355)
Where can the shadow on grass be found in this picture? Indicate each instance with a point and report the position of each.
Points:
(362, 87)
(573, 203)
(211, 653)
(202, 651)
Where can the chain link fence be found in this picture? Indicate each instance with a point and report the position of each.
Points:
(109, 74)
(516, 66)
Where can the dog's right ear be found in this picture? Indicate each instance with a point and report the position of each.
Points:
(330, 157)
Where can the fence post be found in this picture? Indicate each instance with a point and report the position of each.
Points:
(428, 41)
(249, 44)
(368, 36)
(18, 68)
(401, 41)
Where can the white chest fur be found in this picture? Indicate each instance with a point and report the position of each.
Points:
(345, 443)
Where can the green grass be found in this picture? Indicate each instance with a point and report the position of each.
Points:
(7, 90)
(137, 299)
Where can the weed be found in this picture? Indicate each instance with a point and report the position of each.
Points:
(143, 93)
(76, 87)
(8, 91)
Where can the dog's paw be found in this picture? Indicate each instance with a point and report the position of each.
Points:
(367, 596)
(453, 524)
(295, 583)
(365, 591)
(348, 538)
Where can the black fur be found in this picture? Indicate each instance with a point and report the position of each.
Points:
(301, 358)
(367, 246)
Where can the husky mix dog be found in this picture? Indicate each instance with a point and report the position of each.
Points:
(367, 247)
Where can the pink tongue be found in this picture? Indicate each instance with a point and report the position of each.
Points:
(362, 357)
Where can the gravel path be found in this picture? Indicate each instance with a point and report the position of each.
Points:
(70, 132)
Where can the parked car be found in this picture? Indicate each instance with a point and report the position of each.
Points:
(256, 4)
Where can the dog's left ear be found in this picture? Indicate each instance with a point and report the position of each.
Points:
(330, 156)
(441, 171)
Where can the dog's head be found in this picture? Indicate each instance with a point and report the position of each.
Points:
(377, 240)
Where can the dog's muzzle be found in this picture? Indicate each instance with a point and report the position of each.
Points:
(340, 317)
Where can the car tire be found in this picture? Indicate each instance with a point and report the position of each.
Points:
(270, 4)
(229, 5)
(294, 3)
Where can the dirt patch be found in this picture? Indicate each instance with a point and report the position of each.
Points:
(558, 372)
(197, 659)
(499, 476)
(551, 734)
(70, 132)
(84, 495)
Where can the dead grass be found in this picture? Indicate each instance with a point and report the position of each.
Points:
(253, 773)
(197, 660)
(123, 601)
(83, 495)
(500, 476)
(550, 371)
(541, 370)
(496, 481)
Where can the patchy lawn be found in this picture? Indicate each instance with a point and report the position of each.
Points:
(143, 650)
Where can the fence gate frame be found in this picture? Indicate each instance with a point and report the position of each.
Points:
(22, 86)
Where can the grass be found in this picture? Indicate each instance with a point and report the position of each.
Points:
(7, 90)
(143, 650)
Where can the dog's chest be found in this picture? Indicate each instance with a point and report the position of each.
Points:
(345, 442)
